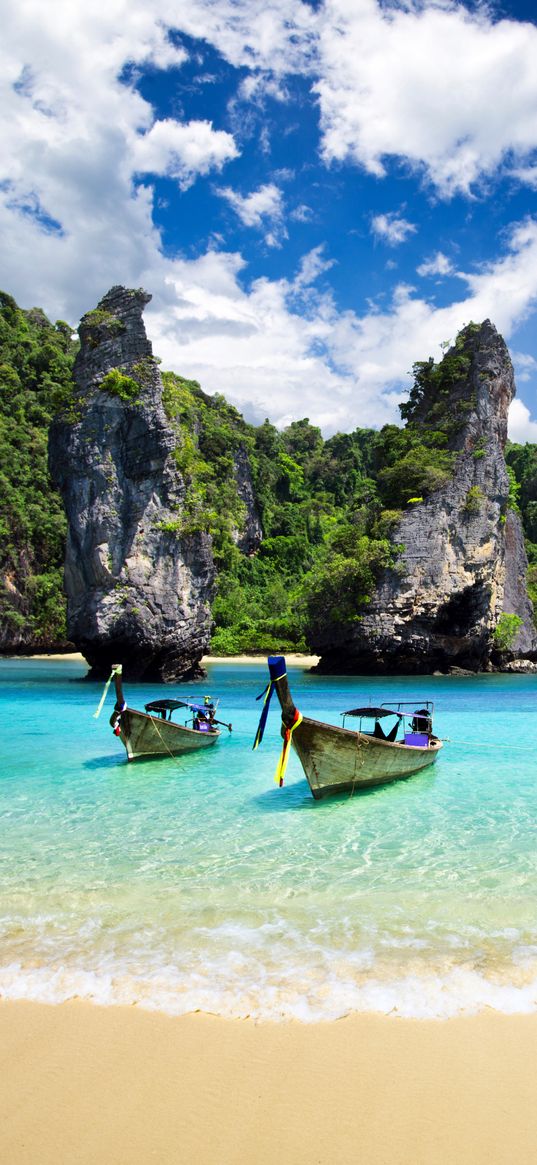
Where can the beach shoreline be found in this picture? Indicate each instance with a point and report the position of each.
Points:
(107, 1086)
(295, 659)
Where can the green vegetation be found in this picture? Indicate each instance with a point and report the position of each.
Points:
(120, 385)
(474, 500)
(506, 631)
(36, 360)
(522, 469)
(99, 325)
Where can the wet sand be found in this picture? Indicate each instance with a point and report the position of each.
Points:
(120, 1086)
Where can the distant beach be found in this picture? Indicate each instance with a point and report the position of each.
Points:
(293, 658)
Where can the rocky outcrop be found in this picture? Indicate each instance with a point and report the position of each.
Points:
(138, 587)
(463, 562)
(249, 537)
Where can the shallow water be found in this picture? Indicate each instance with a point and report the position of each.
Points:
(196, 883)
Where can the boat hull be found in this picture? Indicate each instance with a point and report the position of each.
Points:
(337, 760)
(150, 736)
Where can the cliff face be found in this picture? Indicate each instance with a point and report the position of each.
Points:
(249, 538)
(463, 561)
(138, 589)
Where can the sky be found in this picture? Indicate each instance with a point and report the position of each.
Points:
(317, 193)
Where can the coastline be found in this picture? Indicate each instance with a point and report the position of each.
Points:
(293, 658)
(112, 1085)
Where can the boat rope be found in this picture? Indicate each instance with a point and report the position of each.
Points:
(287, 736)
(362, 744)
(173, 755)
(116, 668)
(162, 740)
(478, 744)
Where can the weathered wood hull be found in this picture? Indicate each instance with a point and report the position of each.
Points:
(149, 736)
(337, 760)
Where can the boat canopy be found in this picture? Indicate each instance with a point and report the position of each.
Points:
(373, 713)
(171, 705)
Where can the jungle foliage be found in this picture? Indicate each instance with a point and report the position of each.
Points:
(36, 359)
(522, 468)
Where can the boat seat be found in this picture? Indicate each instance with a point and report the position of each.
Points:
(379, 732)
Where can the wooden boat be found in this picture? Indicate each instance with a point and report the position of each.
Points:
(339, 760)
(153, 732)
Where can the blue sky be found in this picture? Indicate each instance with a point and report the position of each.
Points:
(316, 194)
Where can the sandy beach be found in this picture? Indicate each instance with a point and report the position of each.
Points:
(120, 1086)
(305, 661)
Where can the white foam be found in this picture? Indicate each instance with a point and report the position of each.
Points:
(235, 991)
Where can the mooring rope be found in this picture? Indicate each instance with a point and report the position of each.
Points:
(478, 744)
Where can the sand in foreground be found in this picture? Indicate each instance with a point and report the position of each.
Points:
(119, 1086)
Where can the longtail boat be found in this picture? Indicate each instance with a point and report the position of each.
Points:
(153, 732)
(337, 759)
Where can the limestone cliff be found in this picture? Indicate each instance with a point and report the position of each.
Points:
(462, 561)
(138, 589)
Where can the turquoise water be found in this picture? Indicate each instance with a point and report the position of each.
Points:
(183, 884)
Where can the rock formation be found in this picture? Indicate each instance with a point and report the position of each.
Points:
(249, 538)
(463, 562)
(138, 588)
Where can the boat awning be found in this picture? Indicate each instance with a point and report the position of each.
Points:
(373, 713)
(166, 705)
(171, 705)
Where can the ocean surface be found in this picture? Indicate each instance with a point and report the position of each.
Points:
(197, 883)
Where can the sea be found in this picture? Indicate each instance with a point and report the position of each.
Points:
(197, 884)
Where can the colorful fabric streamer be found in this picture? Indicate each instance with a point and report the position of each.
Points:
(287, 736)
(267, 693)
(104, 695)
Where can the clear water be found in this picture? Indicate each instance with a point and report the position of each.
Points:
(183, 884)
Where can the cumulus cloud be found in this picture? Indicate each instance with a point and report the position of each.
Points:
(439, 264)
(525, 366)
(262, 206)
(285, 350)
(182, 151)
(521, 427)
(444, 89)
(392, 228)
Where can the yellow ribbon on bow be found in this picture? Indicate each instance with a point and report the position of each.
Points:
(282, 763)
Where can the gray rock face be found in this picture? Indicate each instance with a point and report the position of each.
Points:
(249, 537)
(138, 590)
(463, 562)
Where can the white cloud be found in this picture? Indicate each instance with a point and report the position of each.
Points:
(527, 175)
(182, 151)
(521, 426)
(525, 366)
(446, 90)
(274, 36)
(312, 265)
(264, 205)
(438, 265)
(284, 350)
(392, 228)
(72, 136)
